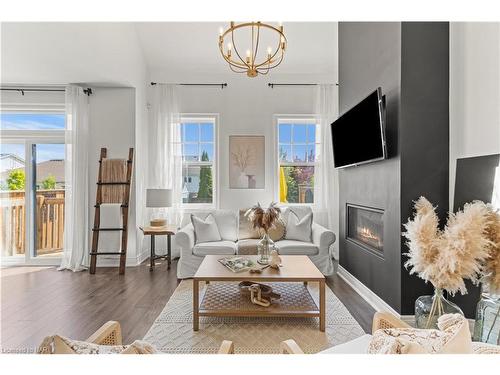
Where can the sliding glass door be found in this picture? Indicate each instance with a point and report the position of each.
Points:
(32, 188)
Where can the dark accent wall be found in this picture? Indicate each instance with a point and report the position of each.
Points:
(369, 57)
(410, 62)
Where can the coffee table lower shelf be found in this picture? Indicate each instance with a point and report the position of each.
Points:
(224, 299)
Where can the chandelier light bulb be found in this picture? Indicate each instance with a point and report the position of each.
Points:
(221, 31)
(269, 51)
(229, 46)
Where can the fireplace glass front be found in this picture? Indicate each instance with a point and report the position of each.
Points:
(365, 227)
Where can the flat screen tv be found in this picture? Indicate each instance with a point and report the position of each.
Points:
(358, 135)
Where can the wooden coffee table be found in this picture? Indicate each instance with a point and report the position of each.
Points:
(224, 299)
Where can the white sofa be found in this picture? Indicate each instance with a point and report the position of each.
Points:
(235, 240)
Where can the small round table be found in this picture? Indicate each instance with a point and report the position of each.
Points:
(168, 231)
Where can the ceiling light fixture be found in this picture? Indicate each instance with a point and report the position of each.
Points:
(252, 64)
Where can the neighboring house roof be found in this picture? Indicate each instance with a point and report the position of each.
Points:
(50, 168)
(43, 170)
(13, 157)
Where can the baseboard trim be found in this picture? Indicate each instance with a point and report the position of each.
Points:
(367, 294)
(114, 260)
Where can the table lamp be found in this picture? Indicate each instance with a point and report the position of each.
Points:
(158, 198)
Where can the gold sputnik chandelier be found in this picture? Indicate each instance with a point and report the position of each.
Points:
(255, 62)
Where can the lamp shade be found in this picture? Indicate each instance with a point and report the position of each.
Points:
(158, 198)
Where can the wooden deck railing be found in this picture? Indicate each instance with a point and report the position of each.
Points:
(49, 222)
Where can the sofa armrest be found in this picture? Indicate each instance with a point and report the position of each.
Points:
(290, 347)
(383, 320)
(185, 239)
(109, 334)
(322, 237)
(227, 347)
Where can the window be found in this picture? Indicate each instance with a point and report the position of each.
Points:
(298, 148)
(198, 160)
(32, 185)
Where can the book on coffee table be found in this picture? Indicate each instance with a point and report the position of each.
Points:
(237, 264)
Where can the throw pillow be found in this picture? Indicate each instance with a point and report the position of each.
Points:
(205, 230)
(277, 231)
(63, 345)
(246, 230)
(299, 230)
(140, 347)
(453, 336)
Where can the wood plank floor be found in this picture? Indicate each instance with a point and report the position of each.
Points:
(40, 301)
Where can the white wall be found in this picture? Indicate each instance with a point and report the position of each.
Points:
(246, 107)
(474, 92)
(112, 125)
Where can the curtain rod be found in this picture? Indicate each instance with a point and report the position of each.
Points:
(271, 85)
(87, 91)
(222, 85)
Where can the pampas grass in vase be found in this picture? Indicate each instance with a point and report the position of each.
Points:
(447, 257)
(487, 324)
(264, 219)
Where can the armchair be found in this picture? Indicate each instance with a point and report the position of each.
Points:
(109, 334)
(381, 320)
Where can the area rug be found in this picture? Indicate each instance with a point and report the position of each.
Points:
(172, 332)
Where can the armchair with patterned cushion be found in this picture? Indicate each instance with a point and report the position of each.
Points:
(381, 321)
(106, 340)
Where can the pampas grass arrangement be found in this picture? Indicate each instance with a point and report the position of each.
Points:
(491, 267)
(263, 218)
(446, 257)
(467, 248)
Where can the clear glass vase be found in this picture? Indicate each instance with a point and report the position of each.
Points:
(428, 309)
(264, 248)
(487, 324)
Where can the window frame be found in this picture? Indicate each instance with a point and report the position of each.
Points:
(310, 119)
(30, 138)
(199, 118)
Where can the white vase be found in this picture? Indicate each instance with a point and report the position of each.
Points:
(242, 181)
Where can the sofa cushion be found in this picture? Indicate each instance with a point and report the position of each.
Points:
(299, 229)
(205, 230)
(291, 247)
(227, 222)
(245, 228)
(356, 346)
(277, 231)
(215, 248)
(300, 211)
(248, 246)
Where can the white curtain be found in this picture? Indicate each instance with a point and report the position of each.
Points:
(75, 256)
(165, 157)
(327, 177)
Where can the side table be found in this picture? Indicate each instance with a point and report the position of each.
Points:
(168, 231)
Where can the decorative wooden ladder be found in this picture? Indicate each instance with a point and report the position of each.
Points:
(124, 211)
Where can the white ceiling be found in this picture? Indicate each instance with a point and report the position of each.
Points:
(192, 48)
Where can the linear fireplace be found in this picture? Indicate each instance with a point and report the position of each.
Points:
(365, 227)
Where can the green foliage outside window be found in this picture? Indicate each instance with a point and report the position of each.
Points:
(16, 180)
(205, 187)
(49, 183)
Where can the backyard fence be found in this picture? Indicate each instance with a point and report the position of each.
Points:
(49, 222)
